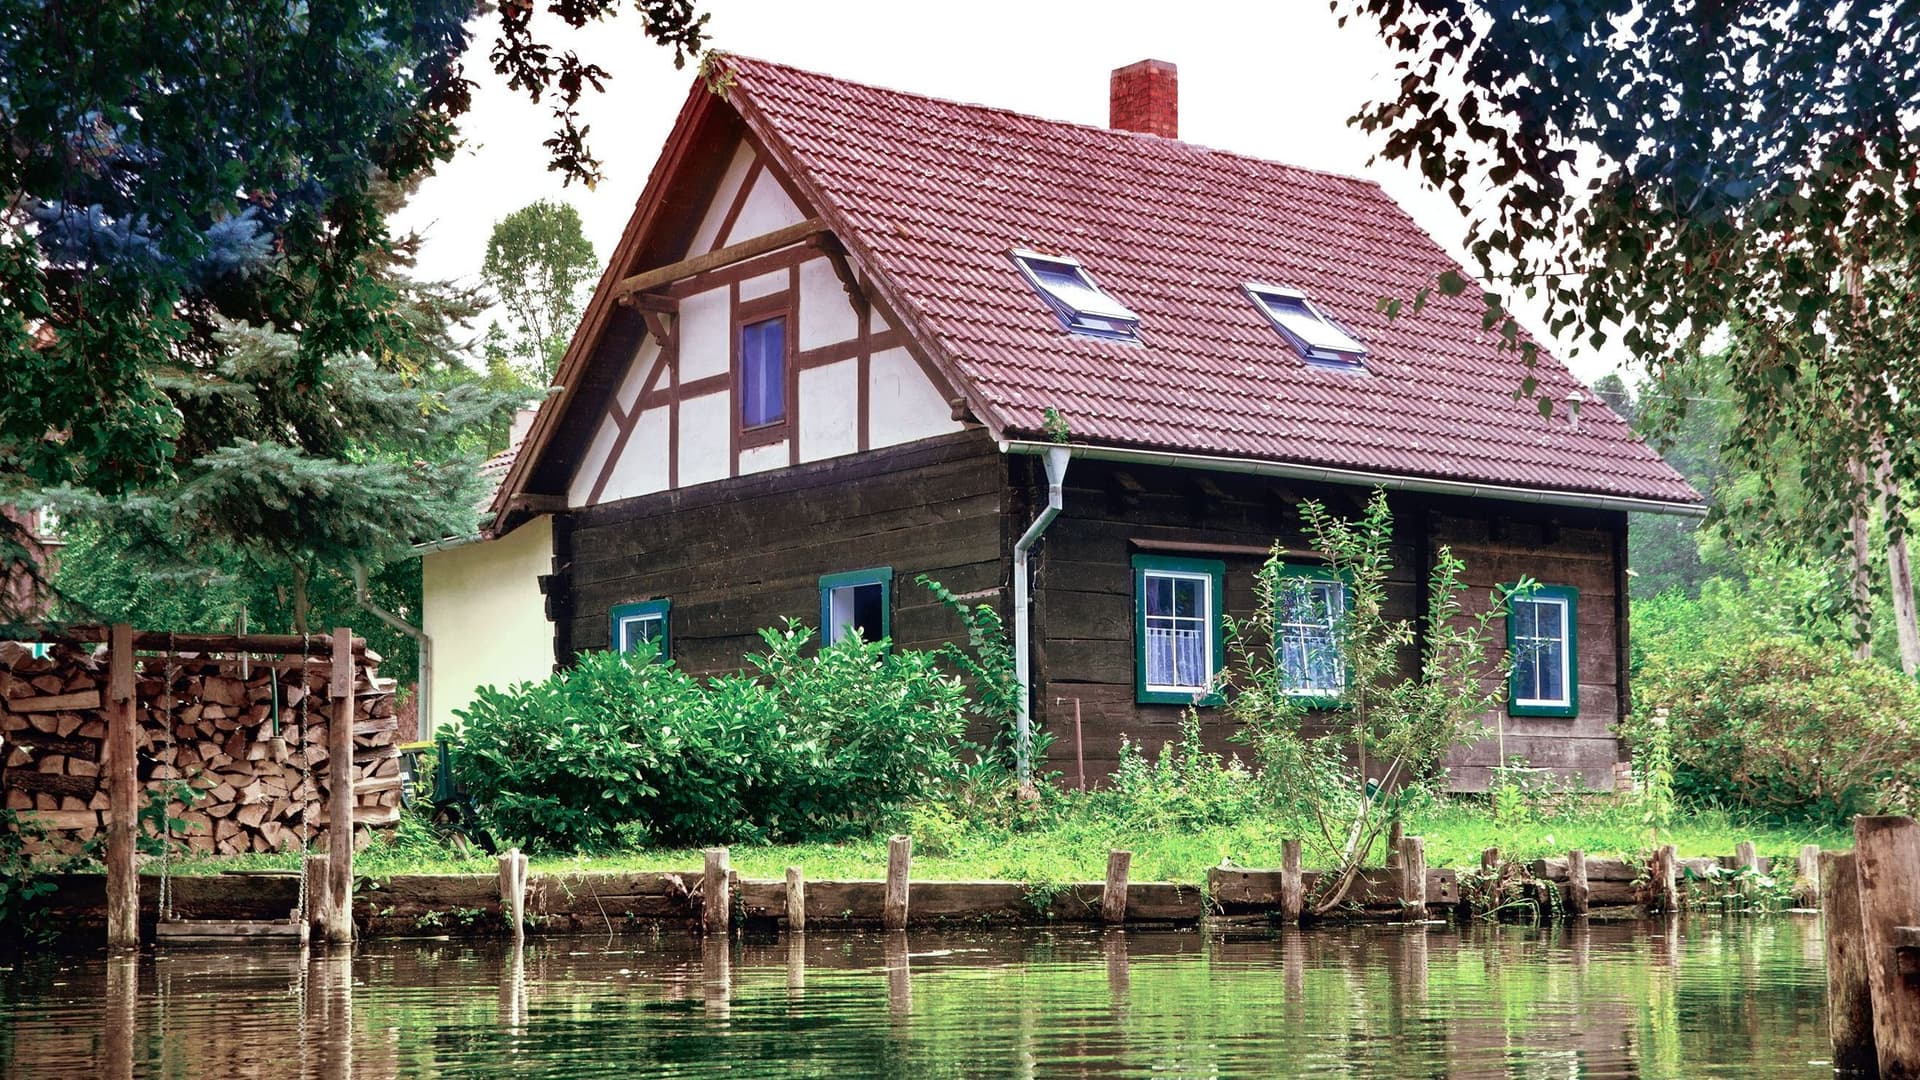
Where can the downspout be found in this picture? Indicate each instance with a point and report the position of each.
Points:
(1056, 462)
(425, 646)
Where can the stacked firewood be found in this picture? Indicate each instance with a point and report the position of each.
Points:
(240, 751)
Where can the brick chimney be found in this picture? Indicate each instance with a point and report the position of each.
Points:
(1145, 97)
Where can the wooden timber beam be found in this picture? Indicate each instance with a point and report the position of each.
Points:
(538, 503)
(157, 641)
(714, 260)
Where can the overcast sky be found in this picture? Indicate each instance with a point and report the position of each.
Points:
(1272, 79)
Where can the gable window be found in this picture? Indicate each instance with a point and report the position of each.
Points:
(860, 601)
(1178, 646)
(1082, 306)
(1308, 609)
(763, 373)
(1543, 648)
(637, 624)
(1310, 330)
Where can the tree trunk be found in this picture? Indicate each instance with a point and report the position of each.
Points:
(1899, 567)
(1862, 550)
(300, 601)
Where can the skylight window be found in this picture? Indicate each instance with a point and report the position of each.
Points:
(1308, 329)
(1072, 294)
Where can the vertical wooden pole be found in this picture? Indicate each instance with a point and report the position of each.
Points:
(1887, 861)
(123, 810)
(1490, 862)
(1079, 749)
(1579, 896)
(122, 1016)
(716, 905)
(1849, 1001)
(899, 975)
(1293, 891)
(893, 913)
(1747, 859)
(1113, 897)
(340, 791)
(319, 897)
(1396, 833)
(796, 900)
(1807, 892)
(1666, 879)
(513, 890)
(1413, 877)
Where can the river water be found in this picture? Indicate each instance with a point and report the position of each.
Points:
(1710, 997)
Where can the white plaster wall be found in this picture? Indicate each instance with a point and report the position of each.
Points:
(705, 438)
(708, 233)
(826, 315)
(481, 607)
(904, 405)
(642, 465)
(705, 327)
(761, 458)
(765, 285)
(767, 208)
(592, 462)
(638, 371)
(829, 413)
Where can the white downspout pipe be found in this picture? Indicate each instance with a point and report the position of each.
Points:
(1056, 461)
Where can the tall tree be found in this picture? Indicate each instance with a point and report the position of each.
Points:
(537, 267)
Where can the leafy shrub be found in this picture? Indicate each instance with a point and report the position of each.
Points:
(621, 749)
(1785, 727)
(1186, 786)
(24, 888)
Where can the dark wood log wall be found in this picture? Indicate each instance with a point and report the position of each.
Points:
(737, 555)
(1083, 612)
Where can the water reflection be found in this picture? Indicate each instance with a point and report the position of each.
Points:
(1698, 997)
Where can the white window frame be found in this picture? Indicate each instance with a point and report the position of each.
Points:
(1566, 651)
(1206, 618)
(1335, 611)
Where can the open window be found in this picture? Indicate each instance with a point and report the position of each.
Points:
(1310, 606)
(1543, 649)
(1309, 329)
(637, 624)
(1178, 644)
(1082, 306)
(860, 601)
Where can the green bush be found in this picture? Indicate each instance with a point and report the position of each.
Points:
(1785, 727)
(808, 745)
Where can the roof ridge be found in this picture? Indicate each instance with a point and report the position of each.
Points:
(725, 57)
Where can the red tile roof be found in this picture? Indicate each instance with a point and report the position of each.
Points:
(934, 194)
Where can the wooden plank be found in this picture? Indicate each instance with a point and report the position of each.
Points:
(714, 260)
(376, 726)
(76, 702)
(213, 932)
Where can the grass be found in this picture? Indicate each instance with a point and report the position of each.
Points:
(1068, 840)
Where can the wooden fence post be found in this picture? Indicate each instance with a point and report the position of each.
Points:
(123, 781)
(1579, 896)
(1807, 893)
(1113, 896)
(1490, 862)
(1886, 854)
(1849, 1002)
(340, 791)
(796, 900)
(1747, 859)
(1413, 877)
(716, 910)
(1293, 890)
(319, 901)
(1666, 879)
(513, 890)
(1396, 834)
(893, 913)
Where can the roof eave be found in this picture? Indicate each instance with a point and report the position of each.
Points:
(1361, 478)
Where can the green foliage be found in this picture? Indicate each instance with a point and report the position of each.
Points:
(24, 886)
(537, 266)
(1054, 423)
(1186, 786)
(1785, 727)
(986, 664)
(810, 744)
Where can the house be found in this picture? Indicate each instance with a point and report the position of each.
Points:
(853, 335)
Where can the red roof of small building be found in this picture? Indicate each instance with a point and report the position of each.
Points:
(934, 195)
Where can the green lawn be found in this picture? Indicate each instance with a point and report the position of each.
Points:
(1070, 841)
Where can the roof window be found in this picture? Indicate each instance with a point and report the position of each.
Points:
(1070, 291)
(1311, 331)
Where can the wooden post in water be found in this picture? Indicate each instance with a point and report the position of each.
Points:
(1490, 862)
(1413, 877)
(1579, 896)
(1293, 889)
(319, 906)
(1807, 893)
(1849, 1001)
(340, 791)
(123, 781)
(1666, 879)
(893, 912)
(1747, 860)
(796, 900)
(716, 903)
(1113, 896)
(513, 890)
(1886, 854)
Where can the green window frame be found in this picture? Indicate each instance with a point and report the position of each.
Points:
(1525, 636)
(843, 590)
(625, 618)
(1301, 634)
(1164, 650)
